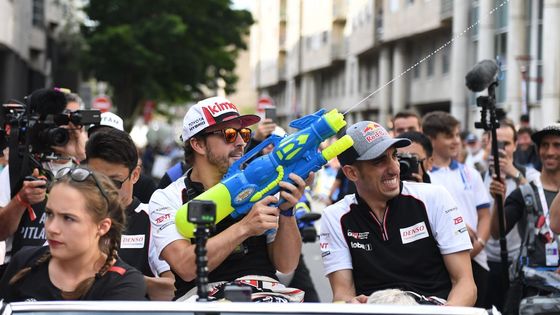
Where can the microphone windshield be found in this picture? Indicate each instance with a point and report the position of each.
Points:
(47, 101)
(482, 75)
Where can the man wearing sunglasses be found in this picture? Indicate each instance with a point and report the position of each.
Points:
(215, 136)
(393, 234)
(113, 153)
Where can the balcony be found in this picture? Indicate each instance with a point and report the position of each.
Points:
(338, 51)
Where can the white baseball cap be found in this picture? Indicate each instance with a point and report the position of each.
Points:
(110, 120)
(210, 112)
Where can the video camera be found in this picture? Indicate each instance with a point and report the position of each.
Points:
(31, 129)
(409, 165)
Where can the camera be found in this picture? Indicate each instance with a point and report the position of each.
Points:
(201, 212)
(31, 128)
(409, 165)
(37, 123)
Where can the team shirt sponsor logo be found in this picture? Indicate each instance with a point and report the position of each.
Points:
(357, 235)
(458, 220)
(324, 245)
(461, 230)
(451, 210)
(163, 218)
(132, 241)
(325, 254)
(413, 233)
(358, 245)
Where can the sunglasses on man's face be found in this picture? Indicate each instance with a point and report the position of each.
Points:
(119, 183)
(80, 175)
(230, 134)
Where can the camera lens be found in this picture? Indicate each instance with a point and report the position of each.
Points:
(55, 136)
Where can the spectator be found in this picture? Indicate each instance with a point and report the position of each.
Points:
(515, 175)
(84, 223)
(144, 187)
(406, 121)
(526, 153)
(544, 245)
(421, 148)
(112, 152)
(215, 136)
(393, 234)
(465, 186)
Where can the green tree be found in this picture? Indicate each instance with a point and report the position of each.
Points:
(164, 50)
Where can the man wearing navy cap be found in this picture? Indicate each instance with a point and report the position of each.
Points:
(393, 234)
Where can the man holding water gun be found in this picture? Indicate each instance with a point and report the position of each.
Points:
(215, 136)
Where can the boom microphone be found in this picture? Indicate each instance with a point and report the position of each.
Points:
(482, 75)
(46, 101)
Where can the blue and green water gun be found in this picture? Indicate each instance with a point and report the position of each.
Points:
(298, 153)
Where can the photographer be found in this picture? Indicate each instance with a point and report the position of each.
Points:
(22, 214)
(416, 159)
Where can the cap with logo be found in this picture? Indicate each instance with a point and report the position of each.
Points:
(108, 119)
(210, 112)
(550, 130)
(371, 140)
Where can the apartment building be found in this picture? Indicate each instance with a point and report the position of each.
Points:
(406, 54)
(28, 44)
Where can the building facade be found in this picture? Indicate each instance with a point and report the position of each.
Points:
(29, 54)
(406, 54)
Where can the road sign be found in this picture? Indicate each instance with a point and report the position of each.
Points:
(102, 103)
(264, 102)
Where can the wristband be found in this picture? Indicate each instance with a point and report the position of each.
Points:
(30, 212)
(287, 213)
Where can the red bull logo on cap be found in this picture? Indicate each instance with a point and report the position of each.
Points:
(374, 131)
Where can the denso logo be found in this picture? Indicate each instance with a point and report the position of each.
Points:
(162, 218)
(357, 235)
(357, 245)
(414, 233)
(220, 107)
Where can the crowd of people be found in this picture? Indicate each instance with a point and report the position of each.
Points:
(410, 215)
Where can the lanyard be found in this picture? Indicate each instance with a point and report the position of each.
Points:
(544, 204)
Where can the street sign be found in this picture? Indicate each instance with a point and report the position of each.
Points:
(102, 103)
(264, 102)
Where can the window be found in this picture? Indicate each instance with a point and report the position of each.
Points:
(38, 14)
(445, 60)
(431, 62)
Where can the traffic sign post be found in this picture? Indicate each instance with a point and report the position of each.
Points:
(102, 103)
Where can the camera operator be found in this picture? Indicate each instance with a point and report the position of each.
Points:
(416, 159)
(22, 215)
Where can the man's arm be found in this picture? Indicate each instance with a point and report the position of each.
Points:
(463, 289)
(161, 288)
(285, 250)
(10, 215)
(483, 231)
(180, 254)
(342, 284)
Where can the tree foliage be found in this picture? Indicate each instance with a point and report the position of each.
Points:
(164, 50)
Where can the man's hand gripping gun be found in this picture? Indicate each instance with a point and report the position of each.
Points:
(298, 153)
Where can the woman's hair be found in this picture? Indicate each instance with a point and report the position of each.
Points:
(99, 208)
